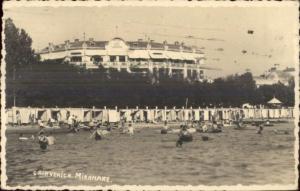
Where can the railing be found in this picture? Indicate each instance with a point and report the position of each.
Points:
(143, 64)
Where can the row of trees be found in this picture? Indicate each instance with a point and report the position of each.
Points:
(17, 46)
(52, 84)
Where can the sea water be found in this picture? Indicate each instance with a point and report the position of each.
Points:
(150, 158)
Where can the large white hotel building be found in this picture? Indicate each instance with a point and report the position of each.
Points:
(120, 54)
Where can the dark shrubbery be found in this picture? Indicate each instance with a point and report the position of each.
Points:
(56, 84)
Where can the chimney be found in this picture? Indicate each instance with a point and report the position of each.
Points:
(67, 44)
(165, 45)
(50, 47)
(176, 43)
(182, 43)
(149, 45)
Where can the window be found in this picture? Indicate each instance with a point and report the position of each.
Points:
(76, 59)
(121, 58)
(97, 58)
(112, 58)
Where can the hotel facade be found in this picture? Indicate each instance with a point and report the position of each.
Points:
(129, 55)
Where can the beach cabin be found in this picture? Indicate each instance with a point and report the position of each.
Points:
(258, 113)
(105, 117)
(265, 113)
(173, 115)
(179, 115)
(77, 112)
(113, 116)
(251, 113)
(9, 116)
(87, 115)
(220, 114)
(146, 115)
(136, 115)
(151, 115)
(271, 113)
(126, 114)
(55, 114)
(141, 114)
(97, 114)
(196, 114)
(43, 114)
(64, 115)
(157, 115)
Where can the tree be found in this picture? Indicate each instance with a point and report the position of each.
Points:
(17, 46)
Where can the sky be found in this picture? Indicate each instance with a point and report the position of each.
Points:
(221, 32)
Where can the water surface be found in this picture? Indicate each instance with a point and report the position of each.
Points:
(149, 158)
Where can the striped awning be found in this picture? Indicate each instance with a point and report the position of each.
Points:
(158, 55)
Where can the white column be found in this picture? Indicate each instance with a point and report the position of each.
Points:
(185, 71)
(119, 66)
(150, 65)
(128, 67)
(170, 69)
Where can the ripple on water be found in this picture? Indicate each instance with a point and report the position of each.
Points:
(148, 157)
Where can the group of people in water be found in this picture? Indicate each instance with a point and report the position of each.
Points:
(43, 139)
(100, 130)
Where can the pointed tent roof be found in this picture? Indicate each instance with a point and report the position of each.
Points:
(274, 101)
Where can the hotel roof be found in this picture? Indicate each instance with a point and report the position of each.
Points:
(140, 44)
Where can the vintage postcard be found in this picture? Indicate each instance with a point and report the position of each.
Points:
(144, 95)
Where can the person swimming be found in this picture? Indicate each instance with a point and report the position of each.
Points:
(98, 135)
(41, 124)
(216, 128)
(268, 123)
(184, 136)
(43, 141)
(130, 130)
(164, 130)
(22, 138)
(259, 131)
(282, 132)
(204, 127)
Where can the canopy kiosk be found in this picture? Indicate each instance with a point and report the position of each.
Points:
(274, 103)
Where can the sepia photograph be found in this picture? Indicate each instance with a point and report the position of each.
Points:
(150, 95)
